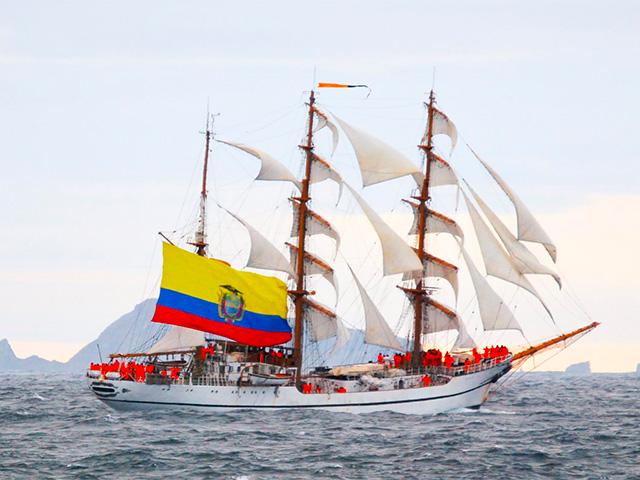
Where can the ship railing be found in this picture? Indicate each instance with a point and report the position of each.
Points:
(458, 370)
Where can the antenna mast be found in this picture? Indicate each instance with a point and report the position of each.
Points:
(300, 293)
(421, 298)
(200, 238)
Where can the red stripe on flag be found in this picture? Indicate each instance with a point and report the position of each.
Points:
(248, 336)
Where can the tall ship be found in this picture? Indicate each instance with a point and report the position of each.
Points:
(239, 339)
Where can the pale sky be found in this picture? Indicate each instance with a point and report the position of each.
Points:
(102, 105)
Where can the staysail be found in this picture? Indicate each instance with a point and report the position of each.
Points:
(378, 161)
(397, 256)
(494, 312)
(496, 261)
(271, 168)
(528, 227)
(525, 261)
(377, 330)
(208, 295)
(263, 254)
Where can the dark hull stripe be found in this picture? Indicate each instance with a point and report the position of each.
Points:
(413, 400)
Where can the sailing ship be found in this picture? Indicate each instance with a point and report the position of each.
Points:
(233, 343)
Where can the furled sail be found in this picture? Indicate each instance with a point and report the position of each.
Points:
(321, 320)
(322, 121)
(494, 312)
(441, 173)
(378, 161)
(528, 227)
(440, 318)
(321, 170)
(496, 261)
(313, 266)
(377, 330)
(442, 125)
(263, 253)
(271, 169)
(177, 339)
(397, 256)
(436, 222)
(436, 267)
(524, 260)
(316, 225)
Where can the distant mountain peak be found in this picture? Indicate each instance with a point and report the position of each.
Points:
(5, 349)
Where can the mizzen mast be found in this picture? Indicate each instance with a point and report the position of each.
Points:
(200, 237)
(420, 293)
(300, 293)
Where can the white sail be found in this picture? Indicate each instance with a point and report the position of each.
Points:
(436, 223)
(316, 225)
(397, 256)
(378, 161)
(322, 120)
(494, 312)
(342, 335)
(524, 260)
(377, 330)
(321, 170)
(263, 254)
(436, 267)
(443, 125)
(313, 266)
(440, 318)
(271, 168)
(529, 229)
(441, 173)
(497, 262)
(320, 319)
(177, 339)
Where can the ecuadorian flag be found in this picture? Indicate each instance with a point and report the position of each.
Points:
(208, 295)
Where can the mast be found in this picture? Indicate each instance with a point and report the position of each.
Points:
(420, 296)
(300, 293)
(200, 238)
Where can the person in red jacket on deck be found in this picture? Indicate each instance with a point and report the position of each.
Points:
(467, 364)
(380, 358)
(397, 360)
(448, 360)
(407, 359)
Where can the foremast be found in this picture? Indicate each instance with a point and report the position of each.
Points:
(300, 293)
(200, 237)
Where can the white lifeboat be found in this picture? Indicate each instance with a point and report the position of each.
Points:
(268, 375)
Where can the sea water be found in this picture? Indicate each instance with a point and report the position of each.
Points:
(541, 426)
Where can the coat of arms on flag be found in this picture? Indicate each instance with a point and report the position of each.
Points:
(231, 303)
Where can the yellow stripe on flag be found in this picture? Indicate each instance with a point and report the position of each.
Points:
(201, 277)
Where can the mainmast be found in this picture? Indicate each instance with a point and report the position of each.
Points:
(200, 238)
(421, 293)
(300, 293)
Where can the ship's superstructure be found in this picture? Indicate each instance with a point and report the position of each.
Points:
(232, 343)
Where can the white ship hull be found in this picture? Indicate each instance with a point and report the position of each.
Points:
(465, 391)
